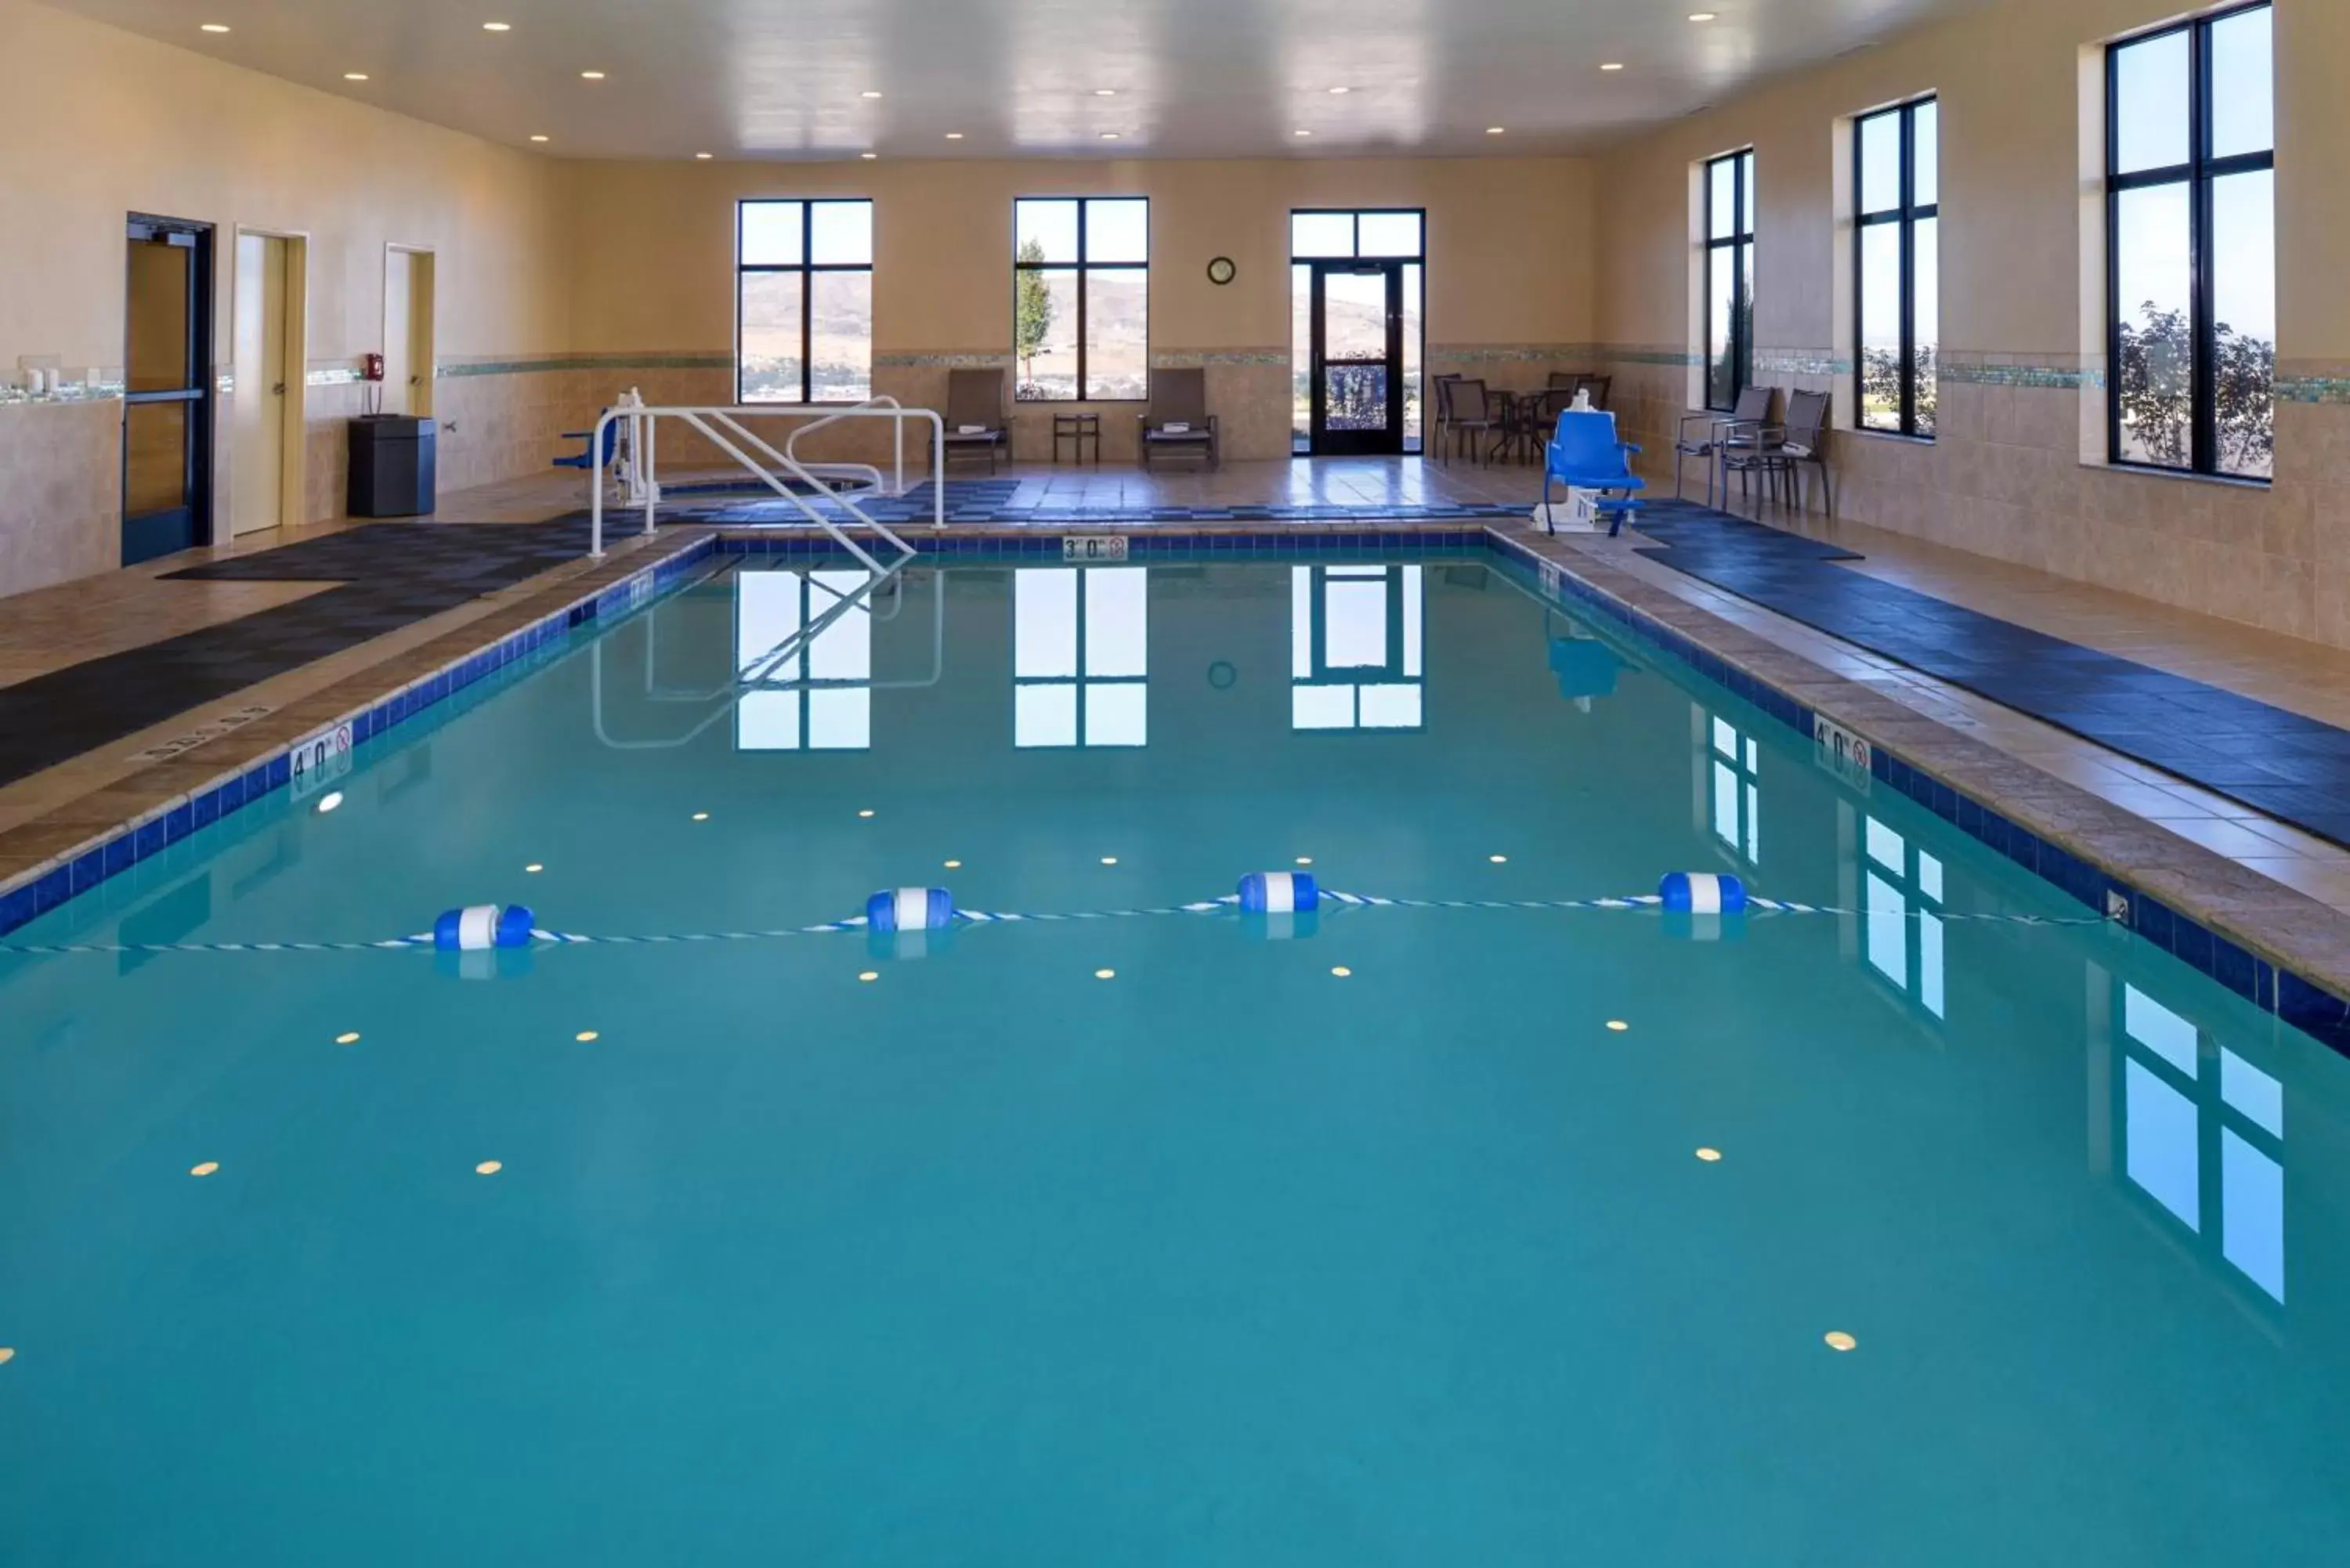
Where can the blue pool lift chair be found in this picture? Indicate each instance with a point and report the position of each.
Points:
(584, 459)
(1586, 455)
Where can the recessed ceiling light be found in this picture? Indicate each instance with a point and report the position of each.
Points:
(868, 157)
(1496, 130)
(214, 28)
(539, 139)
(355, 76)
(703, 155)
(1701, 15)
(497, 26)
(1340, 91)
(1305, 133)
(869, 94)
(1613, 66)
(591, 75)
(1109, 136)
(954, 136)
(1104, 92)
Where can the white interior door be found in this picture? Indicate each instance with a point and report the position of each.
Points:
(408, 347)
(258, 407)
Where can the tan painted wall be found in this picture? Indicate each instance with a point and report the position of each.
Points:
(103, 123)
(1509, 246)
(1510, 252)
(2013, 474)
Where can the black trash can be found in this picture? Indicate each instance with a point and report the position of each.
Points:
(391, 466)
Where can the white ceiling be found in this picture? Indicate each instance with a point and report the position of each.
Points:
(1193, 79)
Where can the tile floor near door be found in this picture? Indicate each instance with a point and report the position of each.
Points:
(52, 630)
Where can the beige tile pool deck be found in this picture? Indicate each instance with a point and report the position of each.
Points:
(2276, 890)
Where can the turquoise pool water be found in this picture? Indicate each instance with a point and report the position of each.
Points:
(1152, 1238)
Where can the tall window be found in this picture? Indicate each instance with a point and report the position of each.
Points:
(2190, 205)
(1081, 299)
(804, 317)
(1728, 278)
(1899, 266)
(1354, 317)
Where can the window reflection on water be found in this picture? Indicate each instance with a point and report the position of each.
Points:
(2202, 1135)
(1901, 901)
(1355, 656)
(1080, 656)
(817, 696)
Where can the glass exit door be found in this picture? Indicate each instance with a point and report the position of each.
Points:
(1357, 366)
(167, 400)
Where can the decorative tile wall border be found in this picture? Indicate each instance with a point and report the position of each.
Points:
(452, 369)
(1800, 362)
(72, 393)
(2058, 378)
(1647, 354)
(2326, 389)
(1511, 353)
(990, 361)
(30, 894)
(2254, 970)
(1195, 358)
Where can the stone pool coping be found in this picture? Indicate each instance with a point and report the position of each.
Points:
(2279, 949)
(2276, 947)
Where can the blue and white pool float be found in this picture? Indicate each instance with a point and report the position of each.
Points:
(1278, 893)
(1702, 893)
(909, 910)
(481, 926)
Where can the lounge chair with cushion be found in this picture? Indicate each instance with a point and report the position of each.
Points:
(975, 421)
(1179, 420)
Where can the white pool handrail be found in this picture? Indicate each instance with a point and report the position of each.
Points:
(722, 427)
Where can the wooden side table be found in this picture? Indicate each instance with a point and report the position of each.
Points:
(1076, 429)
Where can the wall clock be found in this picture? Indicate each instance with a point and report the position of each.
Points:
(1221, 270)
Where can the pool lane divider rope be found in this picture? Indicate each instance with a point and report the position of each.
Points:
(1648, 903)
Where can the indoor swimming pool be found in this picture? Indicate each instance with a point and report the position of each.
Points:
(1943, 1225)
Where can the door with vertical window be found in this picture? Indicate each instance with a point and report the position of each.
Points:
(167, 404)
(1357, 375)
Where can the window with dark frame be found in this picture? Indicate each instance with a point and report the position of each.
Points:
(2191, 244)
(804, 306)
(1897, 262)
(1729, 198)
(1081, 299)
